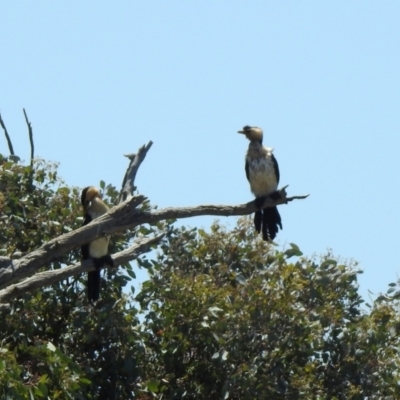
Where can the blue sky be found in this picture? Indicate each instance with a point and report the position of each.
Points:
(321, 78)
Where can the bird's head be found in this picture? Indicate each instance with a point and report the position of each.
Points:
(88, 194)
(252, 133)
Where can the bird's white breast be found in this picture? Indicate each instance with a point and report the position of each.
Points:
(262, 176)
(99, 247)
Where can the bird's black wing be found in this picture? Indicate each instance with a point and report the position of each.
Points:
(85, 247)
(247, 167)
(93, 280)
(276, 167)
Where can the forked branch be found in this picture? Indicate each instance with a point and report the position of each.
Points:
(128, 184)
(118, 219)
(48, 277)
(16, 275)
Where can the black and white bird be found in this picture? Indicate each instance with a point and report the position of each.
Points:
(94, 207)
(262, 172)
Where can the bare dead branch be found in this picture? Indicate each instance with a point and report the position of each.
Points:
(118, 219)
(53, 249)
(128, 186)
(10, 146)
(30, 136)
(48, 277)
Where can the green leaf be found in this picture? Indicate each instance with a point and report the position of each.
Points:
(293, 251)
(131, 273)
(202, 232)
(43, 389)
(152, 385)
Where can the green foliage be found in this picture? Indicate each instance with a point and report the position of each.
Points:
(54, 344)
(223, 315)
(232, 318)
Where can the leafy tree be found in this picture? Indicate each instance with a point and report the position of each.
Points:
(53, 342)
(227, 316)
(223, 314)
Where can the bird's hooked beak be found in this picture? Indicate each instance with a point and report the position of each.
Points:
(252, 133)
(88, 203)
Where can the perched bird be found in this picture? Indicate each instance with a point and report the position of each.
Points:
(94, 207)
(262, 172)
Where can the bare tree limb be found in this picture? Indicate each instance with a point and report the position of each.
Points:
(31, 187)
(30, 136)
(128, 186)
(10, 146)
(48, 277)
(211, 209)
(53, 249)
(118, 219)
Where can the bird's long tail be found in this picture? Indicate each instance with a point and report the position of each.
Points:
(94, 278)
(258, 220)
(271, 220)
(93, 285)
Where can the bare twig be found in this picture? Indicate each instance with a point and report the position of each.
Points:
(32, 149)
(48, 277)
(128, 186)
(118, 219)
(10, 146)
(30, 136)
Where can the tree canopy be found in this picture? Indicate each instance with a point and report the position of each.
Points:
(223, 315)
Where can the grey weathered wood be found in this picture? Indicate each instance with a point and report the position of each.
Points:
(128, 184)
(48, 277)
(118, 219)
